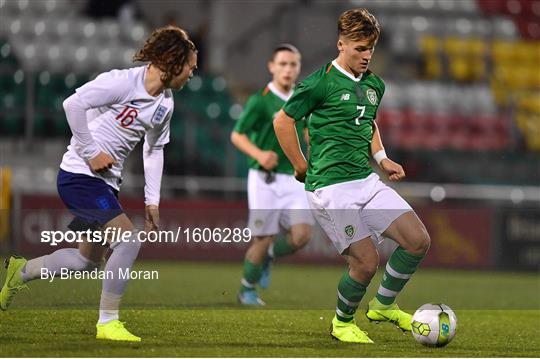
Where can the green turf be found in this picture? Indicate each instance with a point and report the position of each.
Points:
(191, 310)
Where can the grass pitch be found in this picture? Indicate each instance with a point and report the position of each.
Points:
(191, 310)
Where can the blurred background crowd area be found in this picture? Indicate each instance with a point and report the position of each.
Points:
(462, 102)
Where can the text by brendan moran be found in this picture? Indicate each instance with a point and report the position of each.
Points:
(122, 273)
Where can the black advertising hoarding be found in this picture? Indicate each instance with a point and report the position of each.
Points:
(520, 239)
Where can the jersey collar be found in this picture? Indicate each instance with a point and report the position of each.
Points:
(281, 95)
(342, 70)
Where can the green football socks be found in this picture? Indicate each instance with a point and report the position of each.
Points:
(281, 248)
(399, 269)
(252, 275)
(350, 293)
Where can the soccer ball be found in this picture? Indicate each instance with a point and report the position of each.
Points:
(434, 325)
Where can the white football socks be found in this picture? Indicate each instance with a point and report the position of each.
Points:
(65, 258)
(114, 283)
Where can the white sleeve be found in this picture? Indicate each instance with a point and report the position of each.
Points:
(154, 141)
(160, 135)
(153, 170)
(108, 88)
(112, 87)
(76, 116)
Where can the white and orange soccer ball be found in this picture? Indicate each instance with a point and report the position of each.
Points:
(434, 325)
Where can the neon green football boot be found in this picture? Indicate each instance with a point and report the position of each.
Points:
(115, 330)
(14, 282)
(348, 332)
(378, 312)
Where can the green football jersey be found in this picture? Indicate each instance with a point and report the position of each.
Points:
(340, 111)
(256, 121)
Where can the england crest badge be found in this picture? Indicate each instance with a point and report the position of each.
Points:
(159, 115)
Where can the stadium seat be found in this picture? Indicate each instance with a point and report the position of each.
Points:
(12, 124)
(503, 52)
(8, 59)
(483, 28)
(41, 127)
(460, 69)
(504, 28)
(60, 125)
(44, 90)
(14, 85)
(433, 132)
(529, 28)
(529, 103)
(477, 69)
(65, 28)
(430, 45)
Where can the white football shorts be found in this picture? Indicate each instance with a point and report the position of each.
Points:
(354, 210)
(276, 206)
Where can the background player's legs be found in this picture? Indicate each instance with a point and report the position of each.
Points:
(264, 224)
(363, 261)
(413, 239)
(253, 262)
(298, 237)
(122, 258)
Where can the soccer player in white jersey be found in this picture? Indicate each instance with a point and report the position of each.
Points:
(277, 201)
(108, 117)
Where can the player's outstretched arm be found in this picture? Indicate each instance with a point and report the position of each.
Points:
(267, 159)
(394, 170)
(285, 129)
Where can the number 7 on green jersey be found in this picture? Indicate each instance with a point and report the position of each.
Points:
(362, 110)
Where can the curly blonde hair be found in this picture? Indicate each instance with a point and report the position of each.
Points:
(168, 49)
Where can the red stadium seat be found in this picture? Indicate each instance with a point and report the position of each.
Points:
(435, 132)
(458, 133)
(492, 6)
(529, 29)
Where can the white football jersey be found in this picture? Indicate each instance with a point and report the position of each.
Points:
(121, 113)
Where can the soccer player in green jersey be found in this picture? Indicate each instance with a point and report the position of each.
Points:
(348, 199)
(276, 200)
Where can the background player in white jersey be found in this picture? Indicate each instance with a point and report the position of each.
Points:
(276, 200)
(108, 117)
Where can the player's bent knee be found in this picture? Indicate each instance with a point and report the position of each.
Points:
(420, 243)
(363, 273)
(426, 243)
(300, 235)
(300, 240)
(364, 268)
(261, 241)
(131, 244)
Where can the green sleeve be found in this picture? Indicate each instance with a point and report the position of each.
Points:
(308, 95)
(249, 117)
(379, 88)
